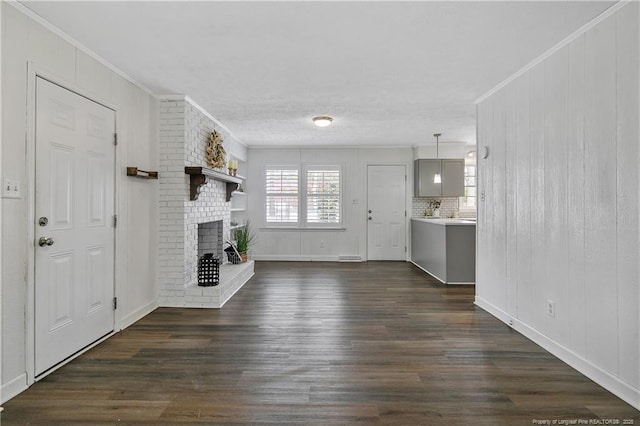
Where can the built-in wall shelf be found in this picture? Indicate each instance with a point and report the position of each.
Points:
(200, 176)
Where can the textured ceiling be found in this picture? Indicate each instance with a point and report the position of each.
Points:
(390, 73)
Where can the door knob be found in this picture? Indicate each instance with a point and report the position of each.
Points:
(369, 217)
(369, 211)
(44, 241)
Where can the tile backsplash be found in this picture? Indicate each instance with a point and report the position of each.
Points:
(448, 206)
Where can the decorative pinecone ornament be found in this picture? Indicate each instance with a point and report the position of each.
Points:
(215, 151)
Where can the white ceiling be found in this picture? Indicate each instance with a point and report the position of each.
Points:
(390, 73)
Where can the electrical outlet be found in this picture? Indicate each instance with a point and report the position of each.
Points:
(551, 308)
(11, 188)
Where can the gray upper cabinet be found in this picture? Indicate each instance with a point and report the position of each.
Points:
(423, 185)
(451, 172)
(452, 178)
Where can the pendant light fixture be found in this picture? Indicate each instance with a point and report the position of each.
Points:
(437, 178)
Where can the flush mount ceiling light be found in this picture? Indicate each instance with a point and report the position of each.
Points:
(437, 178)
(322, 120)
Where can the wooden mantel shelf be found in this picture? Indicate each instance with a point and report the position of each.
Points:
(200, 176)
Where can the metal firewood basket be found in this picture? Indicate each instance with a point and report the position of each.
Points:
(232, 255)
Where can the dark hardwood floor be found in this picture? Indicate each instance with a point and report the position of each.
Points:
(320, 343)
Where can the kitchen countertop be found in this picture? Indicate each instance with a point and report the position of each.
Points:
(445, 221)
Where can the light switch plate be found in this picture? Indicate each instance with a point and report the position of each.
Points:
(11, 188)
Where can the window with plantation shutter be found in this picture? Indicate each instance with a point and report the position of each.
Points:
(304, 196)
(323, 195)
(282, 195)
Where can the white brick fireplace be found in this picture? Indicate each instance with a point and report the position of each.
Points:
(184, 131)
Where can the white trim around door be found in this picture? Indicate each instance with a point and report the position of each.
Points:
(387, 212)
(34, 73)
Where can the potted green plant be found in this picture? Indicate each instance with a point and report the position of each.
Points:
(237, 250)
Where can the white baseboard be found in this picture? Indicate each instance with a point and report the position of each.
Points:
(295, 258)
(613, 384)
(13, 388)
(137, 315)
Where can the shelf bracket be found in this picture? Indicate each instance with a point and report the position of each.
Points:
(231, 186)
(196, 182)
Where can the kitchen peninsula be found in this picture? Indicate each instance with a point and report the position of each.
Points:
(445, 248)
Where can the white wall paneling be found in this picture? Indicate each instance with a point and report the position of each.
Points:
(511, 214)
(576, 198)
(25, 41)
(600, 193)
(482, 227)
(524, 211)
(538, 246)
(627, 197)
(556, 81)
(498, 200)
(562, 197)
(1, 174)
(14, 63)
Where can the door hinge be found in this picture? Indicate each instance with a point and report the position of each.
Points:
(115, 220)
(115, 303)
(405, 213)
(115, 139)
(405, 249)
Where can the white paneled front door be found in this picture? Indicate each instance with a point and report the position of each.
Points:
(74, 207)
(386, 230)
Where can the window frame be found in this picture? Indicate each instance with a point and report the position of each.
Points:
(303, 205)
(303, 196)
(462, 200)
(281, 194)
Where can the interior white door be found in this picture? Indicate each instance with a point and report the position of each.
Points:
(386, 224)
(74, 234)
